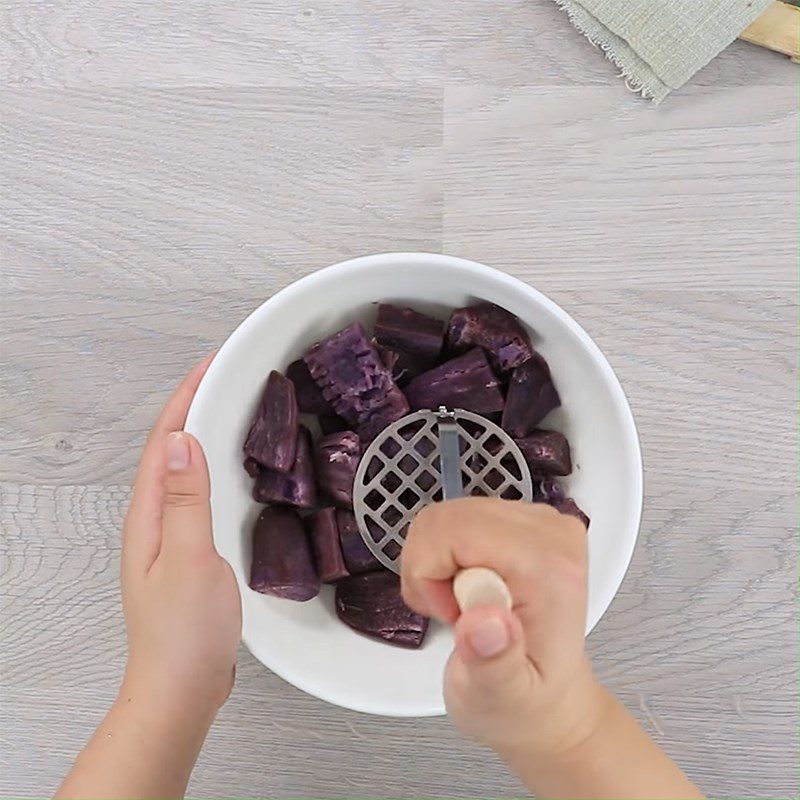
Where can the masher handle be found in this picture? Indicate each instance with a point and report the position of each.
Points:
(475, 586)
(449, 455)
(480, 586)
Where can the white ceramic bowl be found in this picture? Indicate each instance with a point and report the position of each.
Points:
(305, 643)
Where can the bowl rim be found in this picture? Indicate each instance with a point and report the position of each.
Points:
(432, 260)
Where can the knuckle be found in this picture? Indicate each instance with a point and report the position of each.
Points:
(182, 498)
(544, 512)
(474, 550)
(413, 554)
(429, 518)
(447, 514)
(567, 566)
(408, 588)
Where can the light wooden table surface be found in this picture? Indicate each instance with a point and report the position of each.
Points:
(167, 166)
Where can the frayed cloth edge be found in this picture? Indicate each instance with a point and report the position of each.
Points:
(634, 83)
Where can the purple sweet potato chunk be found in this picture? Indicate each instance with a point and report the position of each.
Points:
(465, 382)
(309, 395)
(408, 366)
(495, 330)
(355, 381)
(332, 423)
(252, 467)
(327, 549)
(294, 488)
(569, 506)
(531, 397)
(371, 424)
(357, 556)
(282, 564)
(272, 440)
(547, 452)
(548, 490)
(403, 366)
(387, 356)
(372, 604)
(336, 457)
(408, 330)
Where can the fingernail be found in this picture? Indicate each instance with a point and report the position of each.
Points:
(178, 452)
(490, 638)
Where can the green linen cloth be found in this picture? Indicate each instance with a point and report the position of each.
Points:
(660, 44)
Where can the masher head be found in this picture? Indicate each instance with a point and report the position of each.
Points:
(425, 457)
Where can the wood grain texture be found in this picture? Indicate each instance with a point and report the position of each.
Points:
(283, 43)
(687, 205)
(166, 170)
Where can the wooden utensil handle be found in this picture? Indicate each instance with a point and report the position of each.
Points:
(777, 29)
(480, 586)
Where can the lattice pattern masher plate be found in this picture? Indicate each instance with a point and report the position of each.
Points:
(401, 473)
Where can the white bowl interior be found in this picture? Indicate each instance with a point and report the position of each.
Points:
(304, 642)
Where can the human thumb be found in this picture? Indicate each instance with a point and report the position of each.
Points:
(490, 651)
(186, 513)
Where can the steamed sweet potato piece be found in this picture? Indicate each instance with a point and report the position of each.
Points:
(496, 330)
(272, 440)
(547, 452)
(282, 564)
(548, 490)
(464, 382)
(387, 356)
(403, 366)
(327, 549)
(355, 381)
(409, 331)
(569, 506)
(357, 556)
(372, 604)
(336, 457)
(531, 397)
(332, 423)
(309, 395)
(294, 488)
(252, 467)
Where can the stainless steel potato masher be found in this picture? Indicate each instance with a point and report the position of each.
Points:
(428, 456)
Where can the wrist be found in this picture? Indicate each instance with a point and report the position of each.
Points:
(611, 756)
(145, 746)
(590, 745)
(561, 728)
(158, 697)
